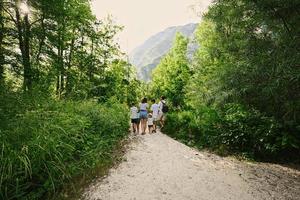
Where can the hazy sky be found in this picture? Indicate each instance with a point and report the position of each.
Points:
(143, 18)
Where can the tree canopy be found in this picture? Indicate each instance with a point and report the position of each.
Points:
(59, 47)
(241, 89)
(172, 74)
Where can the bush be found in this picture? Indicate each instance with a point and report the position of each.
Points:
(47, 143)
(197, 127)
(179, 125)
(249, 131)
(234, 129)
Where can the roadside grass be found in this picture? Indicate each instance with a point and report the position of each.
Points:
(75, 188)
(45, 143)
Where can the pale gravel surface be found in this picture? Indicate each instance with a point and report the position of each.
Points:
(157, 167)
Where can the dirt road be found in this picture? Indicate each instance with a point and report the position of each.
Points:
(157, 167)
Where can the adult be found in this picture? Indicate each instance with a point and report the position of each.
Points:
(144, 114)
(155, 111)
(134, 115)
(162, 110)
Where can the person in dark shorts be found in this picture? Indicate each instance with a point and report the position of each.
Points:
(134, 116)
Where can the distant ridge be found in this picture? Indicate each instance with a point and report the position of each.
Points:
(148, 55)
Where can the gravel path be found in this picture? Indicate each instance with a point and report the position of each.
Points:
(158, 167)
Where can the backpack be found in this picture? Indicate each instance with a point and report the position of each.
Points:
(165, 108)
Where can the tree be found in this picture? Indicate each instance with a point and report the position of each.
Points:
(260, 40)
(205, 85)
(63, 49)
(248, 62)
(172, 73)
(1, 43)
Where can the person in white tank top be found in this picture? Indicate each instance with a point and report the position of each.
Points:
(134, 116)
(155, 113)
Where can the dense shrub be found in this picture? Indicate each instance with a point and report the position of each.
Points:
(233, 129)
(193, 127)
(47, 143)
(249, 131)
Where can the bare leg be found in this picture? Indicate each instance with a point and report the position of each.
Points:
(145, 125)
(162, 121)
(132, 127)
(138, 126)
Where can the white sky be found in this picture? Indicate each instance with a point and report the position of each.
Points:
(144, 18)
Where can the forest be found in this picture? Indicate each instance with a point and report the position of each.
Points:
(62, 80)
(64, 83)
(240, 93)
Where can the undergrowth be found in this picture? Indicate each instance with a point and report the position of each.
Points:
(45, 143)
(235, 130)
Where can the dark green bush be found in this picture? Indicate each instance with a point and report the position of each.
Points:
(47, 143)
(198, 127)
(235, 129)
(249, 131)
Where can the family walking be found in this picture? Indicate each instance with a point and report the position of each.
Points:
(144, 116)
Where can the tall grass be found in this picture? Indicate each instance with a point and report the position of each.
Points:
(48, 142)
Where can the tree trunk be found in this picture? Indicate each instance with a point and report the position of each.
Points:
(68, 84)
(1, 43)
(60, 87)
(28, 76)
(61, 68)
(41, 42)
(90, 72)
(24, 45)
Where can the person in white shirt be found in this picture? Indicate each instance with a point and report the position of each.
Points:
(134, 116)
(150, 123)
(161, 114)
(154, 108)
(144, 115)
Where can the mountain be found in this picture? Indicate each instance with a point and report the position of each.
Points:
(148, 55)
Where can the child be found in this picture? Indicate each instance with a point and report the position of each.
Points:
(154, 109)
(134, 118)
(150, 123)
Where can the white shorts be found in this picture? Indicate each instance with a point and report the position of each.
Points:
(161, 116)
(155, 117)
